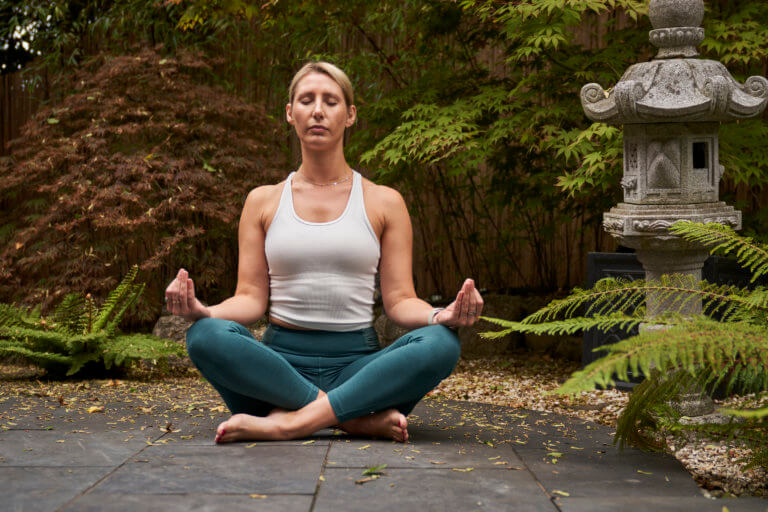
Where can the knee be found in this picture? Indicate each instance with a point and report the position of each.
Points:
(444, 347)
(201, 336)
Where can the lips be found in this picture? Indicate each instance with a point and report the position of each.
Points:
(317, 127)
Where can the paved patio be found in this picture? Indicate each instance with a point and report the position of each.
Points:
(461, 456)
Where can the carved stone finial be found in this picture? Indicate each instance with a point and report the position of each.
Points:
(676, 25)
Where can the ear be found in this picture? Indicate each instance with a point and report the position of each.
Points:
(351, 116)
(288, 113)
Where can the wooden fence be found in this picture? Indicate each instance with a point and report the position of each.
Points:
(20, 97)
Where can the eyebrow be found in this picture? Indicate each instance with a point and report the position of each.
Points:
(325, 94)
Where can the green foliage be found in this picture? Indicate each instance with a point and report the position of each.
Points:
(79, 332)
(60, 34)
(724, 347)
(469, 108)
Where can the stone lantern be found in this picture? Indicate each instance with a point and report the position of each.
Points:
(671, 108)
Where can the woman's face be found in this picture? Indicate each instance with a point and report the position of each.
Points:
(318, 112)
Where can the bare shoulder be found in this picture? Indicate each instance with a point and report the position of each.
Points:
(384, 199)
(262, 202)
(264, 194)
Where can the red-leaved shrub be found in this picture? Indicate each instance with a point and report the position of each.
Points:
(143, 164)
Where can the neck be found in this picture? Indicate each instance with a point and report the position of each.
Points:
(323, 166)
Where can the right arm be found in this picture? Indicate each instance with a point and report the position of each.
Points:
(249, 302)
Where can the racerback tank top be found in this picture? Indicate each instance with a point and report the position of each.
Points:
(322, 274)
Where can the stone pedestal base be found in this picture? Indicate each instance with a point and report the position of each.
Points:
(692, 403)
(659, 262)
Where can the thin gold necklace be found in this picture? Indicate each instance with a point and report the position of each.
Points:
(323, 184)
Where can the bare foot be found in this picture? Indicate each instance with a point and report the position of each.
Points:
(390, 424)
(244, 427)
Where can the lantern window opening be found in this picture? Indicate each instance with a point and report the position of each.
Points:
(700, 154)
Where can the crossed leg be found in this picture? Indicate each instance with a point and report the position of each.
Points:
(402, 373)
(281, 424)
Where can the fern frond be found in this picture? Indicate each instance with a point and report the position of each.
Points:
(607, 294)
(117, 299)
(67, 315)
(720, 350)
(43, 359)
(133, 347)
(80, 360)
(36, 338)
(80, 332)
(123, 306)
(754, 414)
(724, 240)
(677, 291)
(11, 316)
(571, 326)
(648, 402)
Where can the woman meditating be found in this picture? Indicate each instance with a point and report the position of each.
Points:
(309, 251)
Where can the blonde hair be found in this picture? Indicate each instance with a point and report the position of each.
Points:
(326, 68)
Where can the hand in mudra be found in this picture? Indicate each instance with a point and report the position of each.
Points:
(180, 298)
(463, 311)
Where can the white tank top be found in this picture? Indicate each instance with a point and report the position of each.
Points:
(322, 274)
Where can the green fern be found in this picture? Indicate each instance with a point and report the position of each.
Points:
(724, 240)
(79, 334)
(724, 347)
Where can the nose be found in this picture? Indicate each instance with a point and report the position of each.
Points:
(317, 110)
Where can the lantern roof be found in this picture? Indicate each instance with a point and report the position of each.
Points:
(676, 86)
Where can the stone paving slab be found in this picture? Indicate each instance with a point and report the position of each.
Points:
(437, 490)
(36, 448)
(42, 489)
(460, 456)
(190, 503)
(429, 449)
(614, 475)
(229, 469)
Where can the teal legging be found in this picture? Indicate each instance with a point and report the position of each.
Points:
(290, 366)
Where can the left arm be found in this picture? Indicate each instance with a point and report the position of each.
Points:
(395, 269)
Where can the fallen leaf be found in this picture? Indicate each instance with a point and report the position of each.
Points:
(561, 493)
(644, 472)
(308, 442)
(436, 462)
(364, 447)
(321, 478)
(501, 462)
(463, 470)
(374, 470)
(260, 496)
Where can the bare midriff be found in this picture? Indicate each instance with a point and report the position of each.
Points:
(275, 321)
